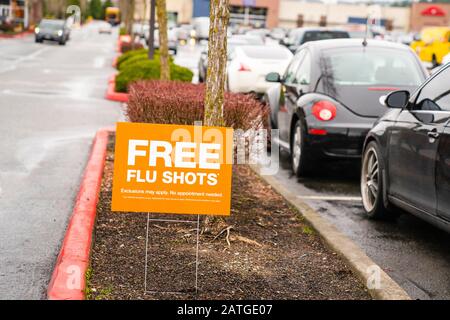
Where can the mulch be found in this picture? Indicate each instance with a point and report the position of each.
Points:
(264, 250)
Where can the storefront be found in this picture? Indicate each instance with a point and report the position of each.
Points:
(13, 11)
(5, 11)
(257, 13)
(429, 14)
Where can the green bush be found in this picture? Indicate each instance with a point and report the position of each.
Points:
(133, 59)
(180, 73)
(149, 70)
(122, 31)
(130, 54)
(138, 57)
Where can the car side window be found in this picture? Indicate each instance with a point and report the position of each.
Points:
(299, 39)
(435, 96)
(289, 76)
(303, 75)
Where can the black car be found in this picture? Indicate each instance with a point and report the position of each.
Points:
(299, 36)
(331, 94)
(53, 30)
(406, 159)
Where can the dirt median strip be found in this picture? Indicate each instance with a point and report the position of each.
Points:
(264, 250)
(350, 251)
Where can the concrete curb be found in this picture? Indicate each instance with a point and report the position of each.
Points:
(68, 279)
(341, 244)
(111, 93)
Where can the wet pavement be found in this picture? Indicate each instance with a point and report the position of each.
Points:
(415, 254)
(51, 105)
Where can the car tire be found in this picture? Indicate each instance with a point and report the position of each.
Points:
(300, 160)
(62, 43)
(200, 77)
(373, 184)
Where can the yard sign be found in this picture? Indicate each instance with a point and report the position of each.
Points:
(172, 169)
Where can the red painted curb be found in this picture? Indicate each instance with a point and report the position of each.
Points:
(122, 39)
(119, 46)
(114, 63)
(68, 280)
(16, 36)
(111, 93)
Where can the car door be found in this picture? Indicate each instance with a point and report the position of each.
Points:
(443, 175)
(414, 142)
(287, 89)
(443, 157)
(300, 86)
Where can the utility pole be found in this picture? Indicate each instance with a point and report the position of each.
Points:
(26, 14)
(151, 36)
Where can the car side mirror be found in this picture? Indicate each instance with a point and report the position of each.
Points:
(397, 99)
(273, 77)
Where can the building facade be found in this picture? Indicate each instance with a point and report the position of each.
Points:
(335, 15)
(21, 12)
(292, 13)
(429, 14)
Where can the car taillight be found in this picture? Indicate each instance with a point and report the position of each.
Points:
(243, 67)
(324, 110)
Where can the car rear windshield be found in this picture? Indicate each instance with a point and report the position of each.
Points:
(324, 35)
(269, 53)
(370, 66)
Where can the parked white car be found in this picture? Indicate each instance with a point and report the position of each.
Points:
(446, 59)
(249, 65)
(201, 27)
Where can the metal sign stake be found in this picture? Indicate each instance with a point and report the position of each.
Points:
(196, 253)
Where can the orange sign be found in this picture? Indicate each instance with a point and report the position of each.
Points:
(172, 169)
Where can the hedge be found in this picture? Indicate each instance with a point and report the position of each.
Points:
(127, 55)
(149, 70)
(173, 102)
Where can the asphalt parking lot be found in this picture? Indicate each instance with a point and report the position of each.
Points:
(414, 253)
(33, 211)
(51, 105)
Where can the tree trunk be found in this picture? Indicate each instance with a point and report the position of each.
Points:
(123, 5)
(163, 41)
(129, 17)
(217, 63)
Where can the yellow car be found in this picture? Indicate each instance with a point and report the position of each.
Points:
(434, 44)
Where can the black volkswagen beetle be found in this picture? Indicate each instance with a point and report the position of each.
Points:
(331, 94)
(406, 159)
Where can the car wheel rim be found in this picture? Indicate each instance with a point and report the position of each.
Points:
(370, 179)
(297, 152)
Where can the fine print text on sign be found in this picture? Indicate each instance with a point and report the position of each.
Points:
(172, 169)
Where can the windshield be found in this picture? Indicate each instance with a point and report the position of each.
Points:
(51, 24)
(324, 35)
(269, 53)
(369, 67)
